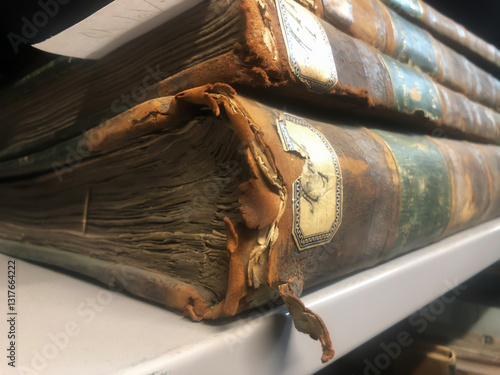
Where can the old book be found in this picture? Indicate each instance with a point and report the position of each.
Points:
(211, 203)
(447, 30)
(288, 56)
(252, 44)
(374, 23)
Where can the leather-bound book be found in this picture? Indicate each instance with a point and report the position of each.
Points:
(256, 45)
(448, 30)
(382, 27)
(211, 203)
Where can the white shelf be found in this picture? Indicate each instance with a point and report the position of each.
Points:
(125, 335)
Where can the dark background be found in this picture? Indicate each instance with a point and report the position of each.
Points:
(479, 16)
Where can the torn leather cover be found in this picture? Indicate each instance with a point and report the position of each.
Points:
(356, 184)
(371, 195)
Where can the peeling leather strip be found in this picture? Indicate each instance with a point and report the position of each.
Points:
(261, 199)
(306, 321)
(142, 119)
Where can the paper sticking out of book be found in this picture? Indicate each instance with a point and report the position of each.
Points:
(112, 26)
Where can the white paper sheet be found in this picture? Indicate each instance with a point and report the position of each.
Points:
(112, 26)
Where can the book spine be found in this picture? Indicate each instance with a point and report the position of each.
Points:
(334, 69)
(354, 197)
(446, 29)
(398, 192)
(372, 22)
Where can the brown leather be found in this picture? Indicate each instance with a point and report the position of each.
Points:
(371, 199)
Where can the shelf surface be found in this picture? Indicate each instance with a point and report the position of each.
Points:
(98, 331)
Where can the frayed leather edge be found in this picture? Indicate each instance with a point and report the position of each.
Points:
(306, 321)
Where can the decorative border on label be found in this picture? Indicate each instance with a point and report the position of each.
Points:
(308, 241)
(291, 38)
